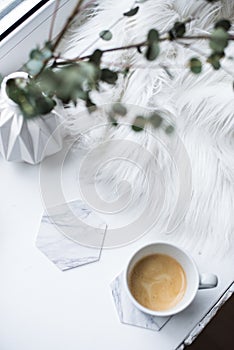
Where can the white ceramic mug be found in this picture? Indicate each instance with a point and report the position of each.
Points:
(195, 280)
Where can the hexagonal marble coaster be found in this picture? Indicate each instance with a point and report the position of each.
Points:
(63, 227)
(129, 314)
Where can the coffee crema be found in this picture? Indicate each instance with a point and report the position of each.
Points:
(157, 282)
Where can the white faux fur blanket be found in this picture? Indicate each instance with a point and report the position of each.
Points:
(189, 174)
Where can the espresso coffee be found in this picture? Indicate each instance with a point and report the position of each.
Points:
(157, 282)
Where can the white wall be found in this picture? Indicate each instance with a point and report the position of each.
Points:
(34, 31)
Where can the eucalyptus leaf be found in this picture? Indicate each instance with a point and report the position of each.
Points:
(64, 95)
(139, 124)
(152, 51)
(177, 31)
(22, 98)
(108, 76)
(15, 93)
(139, 49)
(48, 82)
(88, 70)
(33, 66)
(214, 60)
(105, 35)
(36, 54)
(30, 98)
(28, 110)
(40, 102)
(155, 120)
(96, 56)
(119, 108)
(49, 45)
(111, 117)
(219, 40)
(153, 36)
(223, 23)
(131, 12)
(169, 129)
(195, 65)
(113, 121)
(45, 105)
(75, 81)
(47, 53)
(126, 71)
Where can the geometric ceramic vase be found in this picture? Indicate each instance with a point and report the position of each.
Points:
(27, 140)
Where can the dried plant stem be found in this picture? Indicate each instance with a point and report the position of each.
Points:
(67, 24)
(53, 20)
(74, 13)
(139, 45)
(61, 34)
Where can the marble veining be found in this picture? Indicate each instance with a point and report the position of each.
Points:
(64, 252)
(78, 222)
(128, 313)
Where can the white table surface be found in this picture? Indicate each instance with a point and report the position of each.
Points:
(43, 308)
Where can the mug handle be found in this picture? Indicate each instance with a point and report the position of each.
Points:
(207, 280)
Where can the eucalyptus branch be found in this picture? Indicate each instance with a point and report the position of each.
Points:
(53, 20)
(139, 45)
(61, 35)
(54, 77)
(120, 48)
(203, 54)
(67, 24)
(201, 37)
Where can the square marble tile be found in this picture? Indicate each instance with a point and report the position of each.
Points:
(71, 235)
(127, 311)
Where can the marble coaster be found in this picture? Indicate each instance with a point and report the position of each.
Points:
(129, 314)
(64, 252)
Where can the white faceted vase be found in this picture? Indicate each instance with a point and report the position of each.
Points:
(27, 140)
